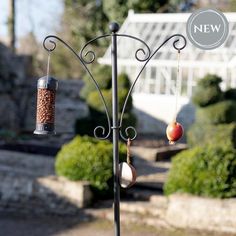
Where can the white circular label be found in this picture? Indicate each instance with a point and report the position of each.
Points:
(207, 28)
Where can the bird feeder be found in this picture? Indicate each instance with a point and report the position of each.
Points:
(45, 117)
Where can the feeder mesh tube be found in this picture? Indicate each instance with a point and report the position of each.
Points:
(46, 106)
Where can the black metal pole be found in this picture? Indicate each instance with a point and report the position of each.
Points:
(116, 126)
(114, 27)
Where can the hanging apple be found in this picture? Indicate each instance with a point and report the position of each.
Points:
(174, 132)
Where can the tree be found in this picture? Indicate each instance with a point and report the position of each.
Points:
(11, 25)
(84, 19)
(123, 6)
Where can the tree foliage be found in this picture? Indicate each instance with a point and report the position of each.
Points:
(140, 6)
(84, 19)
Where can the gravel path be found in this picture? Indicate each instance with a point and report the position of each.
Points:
(20, 225)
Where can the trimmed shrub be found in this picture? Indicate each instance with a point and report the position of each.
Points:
(219, 113)
(230, 94)
(207, 91)
(123, 81)
(209, 80)
(95, 102)
(86, 158)
(205, 171)
(97, 116)
(224, 135)
(102, 74)
(84, 126)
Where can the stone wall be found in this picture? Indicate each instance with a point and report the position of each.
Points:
(182, 211)
(28, 184)
(199, 213)
(13, 87)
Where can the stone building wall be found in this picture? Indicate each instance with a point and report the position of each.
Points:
(28, 184)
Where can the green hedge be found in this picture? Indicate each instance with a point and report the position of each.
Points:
(86, 158)
(123, 81)
(95, 103)
(224, 135)
(219, 113)
(97, 115)
(209, 80)
(204, 171)
(230, 94)
(102, 74)
(84, 126)
(207, 91)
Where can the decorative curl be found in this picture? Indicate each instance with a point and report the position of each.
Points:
(102, 132)
(52, 43)
(128, 135)
(146, 54)
(177, 40)
(143, 52)
(83, 54)
(91, 54)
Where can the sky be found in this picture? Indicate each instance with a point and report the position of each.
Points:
(41, 16)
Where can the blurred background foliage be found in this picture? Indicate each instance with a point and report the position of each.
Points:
(97, 114)
(83, 20)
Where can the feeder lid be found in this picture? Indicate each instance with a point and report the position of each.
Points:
(48, 83)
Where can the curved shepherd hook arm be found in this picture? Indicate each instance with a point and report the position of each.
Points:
(178, 48)
(80, 57)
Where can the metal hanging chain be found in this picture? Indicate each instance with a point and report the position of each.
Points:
(177, 92)
(128, 150)
(48, 65)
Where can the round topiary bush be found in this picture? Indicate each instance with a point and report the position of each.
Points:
(95, 102)
(209, 80)
(207, 91)
(219, 113)
(102, 74)
(97, 115)
(223, 134)
(86, 158)
(230, 94)
(123, 81)
(204, 171)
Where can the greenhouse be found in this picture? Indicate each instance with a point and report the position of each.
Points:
(157, 84)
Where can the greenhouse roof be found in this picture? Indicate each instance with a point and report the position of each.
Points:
(155, 28)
